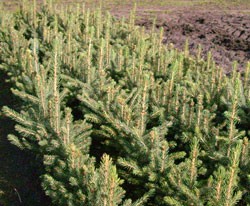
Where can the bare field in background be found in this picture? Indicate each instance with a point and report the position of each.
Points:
(220, 26)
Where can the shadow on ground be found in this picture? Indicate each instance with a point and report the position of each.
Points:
(19, 170)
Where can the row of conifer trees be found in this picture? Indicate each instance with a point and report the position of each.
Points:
(121, 119)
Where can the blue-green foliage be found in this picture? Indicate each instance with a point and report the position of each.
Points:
(95, 88)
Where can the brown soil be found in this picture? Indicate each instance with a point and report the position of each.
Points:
(221, 28)
(226, 34)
